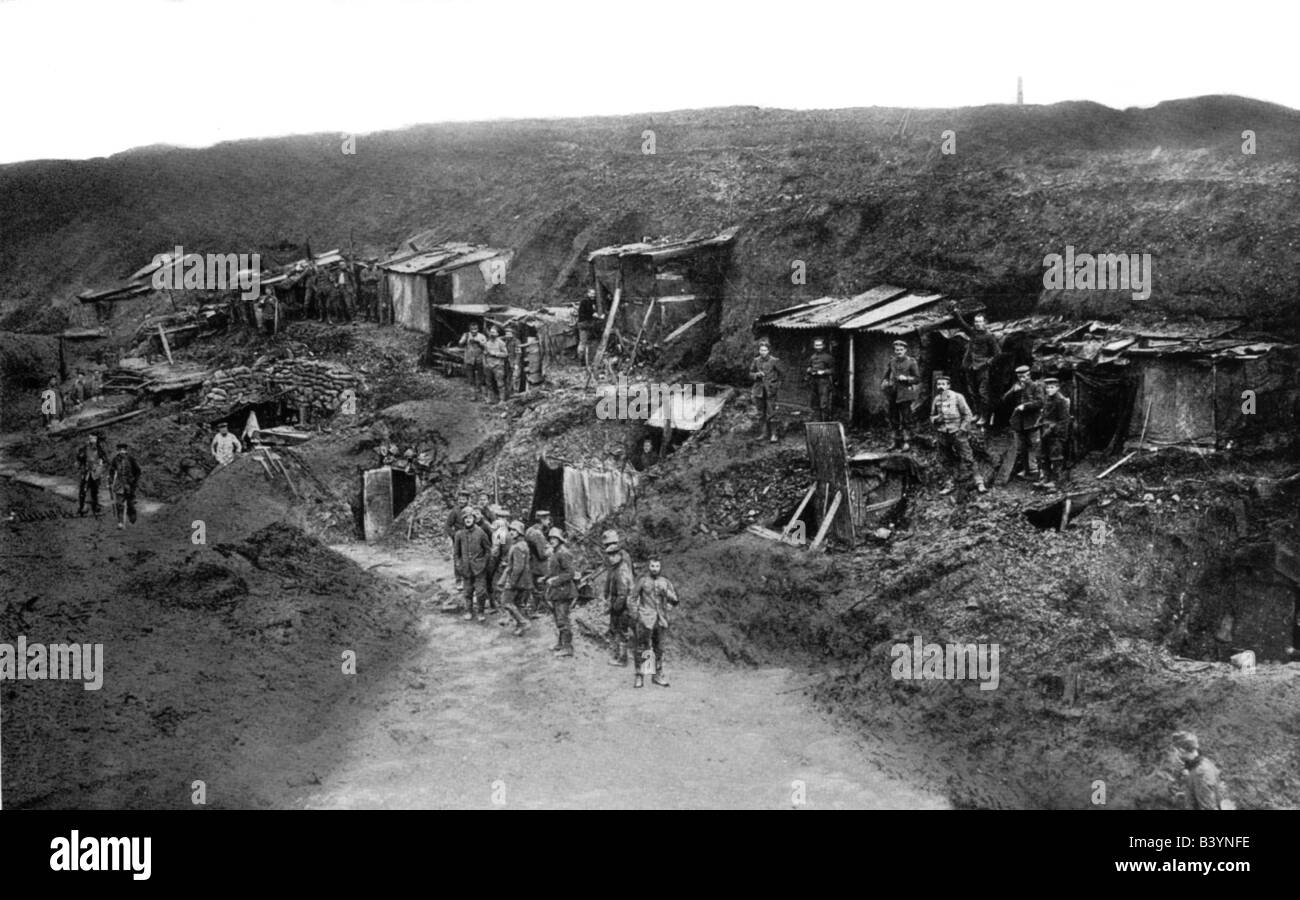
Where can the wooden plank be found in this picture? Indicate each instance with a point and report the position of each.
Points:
(828, 459)
(163, 336)
(101, 423)
(682, 329)
(604, 338)
(636, 345)
(1117, 465)
(377, 501)
(826, 523)
(798, 512)
(1065, 514)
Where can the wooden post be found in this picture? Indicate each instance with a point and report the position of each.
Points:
(826, 523)
(163, 336)
(637, 343)
(853, 381)
(799, 511)
(604, 338)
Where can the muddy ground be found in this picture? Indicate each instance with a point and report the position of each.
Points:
(225, 658)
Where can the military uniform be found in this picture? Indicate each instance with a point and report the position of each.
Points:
(494, 367)
(474, 342)
(514, 364)
(1203, 788)
(1056, 428)
(766, 375)
(821, 369)
(1025, 423)
(539, 553)
(618, 588)
(471, 549)
(561, 592)
(952, 417)
(516, 581)
(651, 599)
(902, 388)
(977, 364)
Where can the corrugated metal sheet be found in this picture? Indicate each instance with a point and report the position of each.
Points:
(913, 323)
(835, 312)
(439, 259)
(666, 249)
(891, 310)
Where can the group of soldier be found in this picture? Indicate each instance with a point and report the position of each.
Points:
(495, 361)
(122, 471)
(519, 570)
(1039, 422)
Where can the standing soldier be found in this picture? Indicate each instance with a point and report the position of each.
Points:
(473, 342)
(539, 552)
(494, 363)
(978, 362)
(1056, 428)
(821, 370)
(453, 524)
(561, 590)
(902, 388)
(472, 547)
(951, 416)
(91, 464)
(500, 528)
(516, 577)
(123, 479)
(514, 362)
(1025, 420)
(651, 599)
(587, 326)
(1201, 785)
(225, 445)
(766, 374)
(618, 588)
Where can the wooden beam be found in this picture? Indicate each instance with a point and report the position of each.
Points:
(636, 345)
(163, 336)
(604, 338)
(798, 512)
(682, 330)
(1116, 466)
(826, 523)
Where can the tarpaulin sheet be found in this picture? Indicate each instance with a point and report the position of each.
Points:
(410, 295)
(592, 495)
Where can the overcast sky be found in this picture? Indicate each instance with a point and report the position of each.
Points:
(84, 78)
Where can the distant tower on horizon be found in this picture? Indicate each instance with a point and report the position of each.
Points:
(1020, 90)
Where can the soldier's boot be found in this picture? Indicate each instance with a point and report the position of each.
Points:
(618, 652)
(639, 681)
(660, 677)
(566, 644)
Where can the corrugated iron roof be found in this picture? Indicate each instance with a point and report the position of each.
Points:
(913, 323)
(831, 312)
(439, 259)
(666, 248)
(892, 309)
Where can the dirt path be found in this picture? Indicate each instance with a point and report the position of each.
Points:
(481, 712)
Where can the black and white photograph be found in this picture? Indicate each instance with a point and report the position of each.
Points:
(570, 405)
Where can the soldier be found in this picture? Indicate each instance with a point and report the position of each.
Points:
(516, 580)
(472, 546)
(514, 362)
(651, 599)
(978, 361)
(225, 445)
(902, 388)
(1025, 422)
(495, 354)
(951, 416)
(453, 524)
(587, 326)
(92, 462)
(539, 552)
(1056, 428)
(821, 371)
(499, 524)
(561, 590)
(473, 341)
(123, 479)
(1201, 784)
(618, 587)
(766, 374)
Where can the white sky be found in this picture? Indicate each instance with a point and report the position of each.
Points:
(84, 78)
